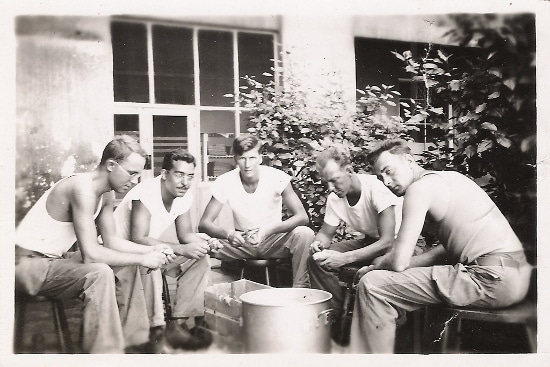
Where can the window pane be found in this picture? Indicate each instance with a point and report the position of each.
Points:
(173, 59)
(218, 132)
(127, 125)
(255, 56)
(130, 62)
(169, 133)
(216, 67)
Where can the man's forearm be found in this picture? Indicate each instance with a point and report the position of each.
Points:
(122, 245)
(214, 230)
(435, 256)
(370, 252)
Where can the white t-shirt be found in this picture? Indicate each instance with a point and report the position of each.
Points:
(263, 206)
(148, 192)
(362, 217)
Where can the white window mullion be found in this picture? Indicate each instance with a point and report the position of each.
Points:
(150, 63)
(236, 81)
(196, 67)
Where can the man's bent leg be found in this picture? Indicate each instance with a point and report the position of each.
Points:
(192, 283)
(95, 285)
(131, 301)
(152, 291)
(379, 294)
(321, 278)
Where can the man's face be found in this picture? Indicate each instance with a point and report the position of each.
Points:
(249, 163)
(338, 179)
(179, 178)
(395, 171)
(125, 174)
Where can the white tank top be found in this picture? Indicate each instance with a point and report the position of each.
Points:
(39, 232)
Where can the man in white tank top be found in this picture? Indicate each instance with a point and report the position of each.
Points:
(256, 194)
(143, 216)
(68, 213)
(488, 268)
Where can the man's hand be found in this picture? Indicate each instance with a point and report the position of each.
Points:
(381, 262)
(214, 245)
(330, 259)
(253, 237)
(316, 246)
(193, 250)
(235, 239)
(154, 259)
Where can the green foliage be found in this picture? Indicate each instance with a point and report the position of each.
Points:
(294, 130)
(491, 87)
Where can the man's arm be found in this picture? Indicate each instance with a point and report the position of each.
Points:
(297, 215)
(83, 205)
(386, 229)
(415, 207)
(191, 245)
(323, 238)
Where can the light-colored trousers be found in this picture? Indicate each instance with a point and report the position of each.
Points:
(380, 294)
(192, 280)
(114, 314)
(280, 245)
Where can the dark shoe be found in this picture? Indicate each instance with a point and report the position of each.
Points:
(201, 332)
(144, 348)
(180, 337)
(339, 331)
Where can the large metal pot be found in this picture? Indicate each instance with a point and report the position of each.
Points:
(287, 320)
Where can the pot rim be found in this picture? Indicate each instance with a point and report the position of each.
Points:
(274, 297)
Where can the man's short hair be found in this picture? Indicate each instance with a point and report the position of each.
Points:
(394, 146)
(335, 153)
(244, 143)
(177, 155)
(120, 148)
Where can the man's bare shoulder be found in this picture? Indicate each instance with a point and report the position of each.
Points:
(427, 184)
(75, 187)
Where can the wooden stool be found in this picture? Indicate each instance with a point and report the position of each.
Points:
(524, 313)
(59, 319)
(248, 266)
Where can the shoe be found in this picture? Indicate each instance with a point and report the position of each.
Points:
(180, 337)
(201, 332)
(144, 348)
(340, 337)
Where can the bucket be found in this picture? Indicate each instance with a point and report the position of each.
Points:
(287, 320)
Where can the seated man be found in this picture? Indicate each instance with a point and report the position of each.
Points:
(364, 204)
(255, 194)
(68, 212)
(143, 216)
(489, 266)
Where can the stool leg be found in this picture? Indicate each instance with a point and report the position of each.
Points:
(531, 329)
(61, 326)
(18, 338)
(166, 296)
(267, 276)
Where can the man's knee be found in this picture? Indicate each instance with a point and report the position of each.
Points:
(100, 273)
(304, 234)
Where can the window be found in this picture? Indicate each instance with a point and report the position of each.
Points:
(188, 70)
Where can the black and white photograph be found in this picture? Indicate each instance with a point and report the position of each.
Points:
(300, 183)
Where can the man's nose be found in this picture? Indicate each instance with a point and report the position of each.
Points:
(135, 180)
(185, 181)
(330, 186)
(386, 180)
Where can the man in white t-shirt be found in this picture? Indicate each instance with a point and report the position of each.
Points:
(256, 194)
(365, 205)
(143, 216)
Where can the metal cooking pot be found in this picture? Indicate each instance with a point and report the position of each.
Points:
(287, 320)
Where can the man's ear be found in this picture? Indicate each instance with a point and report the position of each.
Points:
(110, 164)
(409, 158)
(349, 169)
(163, 174)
